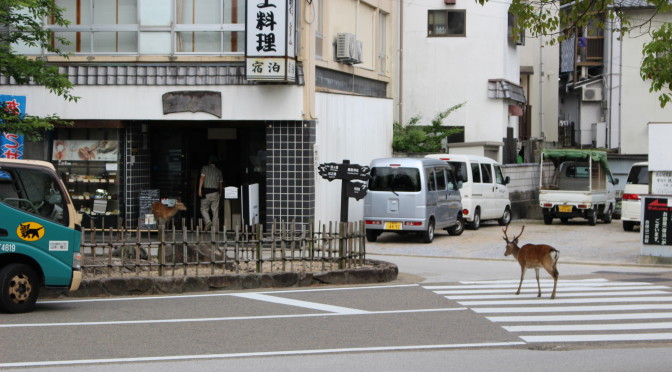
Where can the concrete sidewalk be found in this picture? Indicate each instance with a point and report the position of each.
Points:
(479, 255)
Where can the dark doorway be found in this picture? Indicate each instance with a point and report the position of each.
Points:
(178, 153)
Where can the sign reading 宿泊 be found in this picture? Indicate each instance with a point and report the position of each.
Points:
(269, 44)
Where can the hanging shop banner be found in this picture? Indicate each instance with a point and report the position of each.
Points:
(86, 150)
(11, 145)
(270, 45)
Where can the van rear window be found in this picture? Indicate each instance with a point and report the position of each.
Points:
(394, 179)
(639, 175)
(460, 170)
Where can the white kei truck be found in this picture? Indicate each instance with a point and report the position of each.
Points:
(580, 185)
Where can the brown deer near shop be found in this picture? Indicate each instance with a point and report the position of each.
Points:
(533, 256)
(163, 213)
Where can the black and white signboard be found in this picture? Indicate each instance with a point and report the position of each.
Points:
(657, 220)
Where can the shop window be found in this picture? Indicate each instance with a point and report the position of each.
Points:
(442, 23)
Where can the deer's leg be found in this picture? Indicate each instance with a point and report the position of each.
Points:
(522, 276)
(536, 271)
(554, 273)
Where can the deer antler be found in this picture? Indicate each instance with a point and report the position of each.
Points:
(506, 237)
(521, 233)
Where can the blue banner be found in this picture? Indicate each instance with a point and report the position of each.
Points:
(11, 145)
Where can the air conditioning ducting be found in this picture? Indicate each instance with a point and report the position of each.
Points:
(591, 94)
(348, 49)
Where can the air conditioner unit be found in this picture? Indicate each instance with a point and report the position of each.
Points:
(348, 49)
(591, 94)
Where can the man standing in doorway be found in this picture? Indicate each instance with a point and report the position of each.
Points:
(209, 190)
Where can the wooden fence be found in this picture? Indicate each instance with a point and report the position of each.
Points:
(190, 251)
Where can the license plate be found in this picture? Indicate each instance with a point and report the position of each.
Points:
(392, 225)
(565, 208)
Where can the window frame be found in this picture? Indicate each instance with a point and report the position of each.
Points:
(432, 12)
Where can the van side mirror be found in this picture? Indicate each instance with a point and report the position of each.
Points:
(459, 185)
(507, 180)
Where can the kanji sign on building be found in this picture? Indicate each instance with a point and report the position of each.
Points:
(11, 145)
(270, 44)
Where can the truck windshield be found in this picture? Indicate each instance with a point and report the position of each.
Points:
(395, 179)
(33, 191)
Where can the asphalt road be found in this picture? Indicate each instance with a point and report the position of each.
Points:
(452, 308)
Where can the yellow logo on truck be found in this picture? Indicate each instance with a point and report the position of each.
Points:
(30, 231)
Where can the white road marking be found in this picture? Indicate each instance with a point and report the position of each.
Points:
(599, 337)
(593, 280)
(562, 309)
(560, 289)
(194, 320)
(533, 294)
(256, 354)
(174, 297)
(533, 284)
(567, 301)
(577, 318)
(299, 303)
(590, 327)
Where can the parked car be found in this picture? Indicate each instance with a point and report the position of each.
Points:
(631, 205)
(485, 194)
(581, 186)
(412, 195)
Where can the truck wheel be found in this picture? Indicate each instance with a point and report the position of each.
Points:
(564, 219)
(506, 217)
(428, 236)
(628, 225)
(608, 216)
(371, 235)
(19, 288)
(548, 219)
(458, 228)
(592, 217)
(476, 223)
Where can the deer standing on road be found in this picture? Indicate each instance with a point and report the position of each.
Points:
(534, 256)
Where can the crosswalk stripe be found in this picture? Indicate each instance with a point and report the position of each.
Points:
(532, 294)
(594, 280)
(599, 337)
(560, 289)
(577, 318)
(567, 301)
(589, 327)
(533, 283)
(563, 309)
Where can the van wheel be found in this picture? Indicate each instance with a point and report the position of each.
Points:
(506, 217)
(548, 219)
(371, 235)
(608, 216)
(428, 236)
(458, 228)
(476, 223)
(19, 288)
(628, 225)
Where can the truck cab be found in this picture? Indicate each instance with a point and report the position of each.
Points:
(40, 234)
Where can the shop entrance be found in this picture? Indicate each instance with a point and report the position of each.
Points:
(178, 152)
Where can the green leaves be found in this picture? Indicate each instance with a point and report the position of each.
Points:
(657, 63)
(32, 127)
(423, 138)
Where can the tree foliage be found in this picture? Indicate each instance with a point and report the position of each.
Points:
(423, 138)
(21, 24)
(557, 19)
(657, 63)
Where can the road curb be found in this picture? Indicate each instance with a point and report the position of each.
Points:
(378, 272)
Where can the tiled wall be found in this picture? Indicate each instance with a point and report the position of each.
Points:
(136, 170)
(290, 173)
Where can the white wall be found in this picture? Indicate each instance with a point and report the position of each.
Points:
(355, 128)
(267, 102)
(440, 72)
(638, 106)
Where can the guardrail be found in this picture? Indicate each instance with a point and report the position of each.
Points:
(119, 252)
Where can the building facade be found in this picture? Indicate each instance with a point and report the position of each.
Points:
(164, 84)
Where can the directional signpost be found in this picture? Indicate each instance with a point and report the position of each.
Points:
(356, 176)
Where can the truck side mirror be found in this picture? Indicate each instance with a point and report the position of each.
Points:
(459, 185)
(507, 180)
(616, 181)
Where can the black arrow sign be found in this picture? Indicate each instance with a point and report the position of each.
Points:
(357, 189)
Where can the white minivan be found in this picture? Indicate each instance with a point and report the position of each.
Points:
(631, 205)
(485, 195)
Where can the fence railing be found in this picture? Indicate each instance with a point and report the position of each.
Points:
(287, 246)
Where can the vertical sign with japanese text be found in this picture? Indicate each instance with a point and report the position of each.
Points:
(11, 145)
(657, 220)
(270, 41)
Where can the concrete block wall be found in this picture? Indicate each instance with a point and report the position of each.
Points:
(524, 188)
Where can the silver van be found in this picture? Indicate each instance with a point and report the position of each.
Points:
(412, 195)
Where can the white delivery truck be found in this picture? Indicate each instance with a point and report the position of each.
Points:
(581, 186)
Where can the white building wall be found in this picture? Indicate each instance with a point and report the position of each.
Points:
(440, 72)
(352, 128)
(638, 106)
(268, 102)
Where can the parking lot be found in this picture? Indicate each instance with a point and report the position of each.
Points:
(577, 241)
